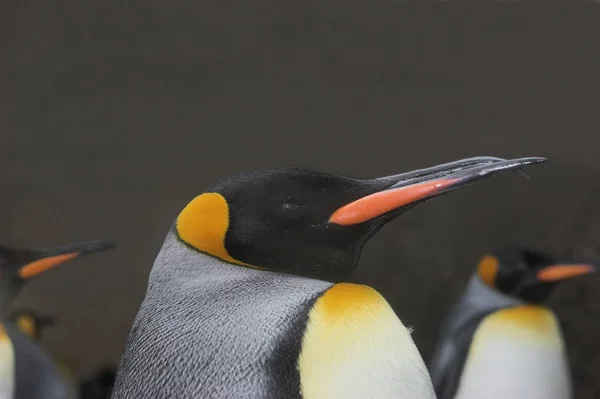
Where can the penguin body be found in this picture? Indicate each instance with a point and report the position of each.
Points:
(7, 365)
(498, 340)
(249, 295)
(34, 373)
(32, 324)
(266, 325)
(385, 362)
(509, 344)
(260, 342)
(457, 331)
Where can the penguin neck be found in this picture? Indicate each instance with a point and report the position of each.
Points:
(482, 297)
(477, 299)
(191, 265)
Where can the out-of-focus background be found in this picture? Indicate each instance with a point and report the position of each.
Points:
(115, 114)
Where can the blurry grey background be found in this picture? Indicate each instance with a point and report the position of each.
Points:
(115, 114)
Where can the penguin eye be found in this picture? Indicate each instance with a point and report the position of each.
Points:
(291, 210)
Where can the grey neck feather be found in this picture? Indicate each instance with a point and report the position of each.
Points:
(480, 297)
(215, 330)
(477, 298)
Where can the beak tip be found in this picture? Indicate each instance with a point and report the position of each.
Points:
(530, 161)
(535, 160)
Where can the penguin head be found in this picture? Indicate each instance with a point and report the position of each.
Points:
(31, 323)
(314, 224)
(527, 274)
(17, 266)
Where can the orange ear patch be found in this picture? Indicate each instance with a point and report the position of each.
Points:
(26, 325)
(203, 224)
(488, 269)
(563, 272)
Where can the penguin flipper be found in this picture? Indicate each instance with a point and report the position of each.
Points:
(355, 346)
(449, 373)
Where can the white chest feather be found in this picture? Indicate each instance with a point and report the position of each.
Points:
(356, 348)
(517, 353)
(7, 371)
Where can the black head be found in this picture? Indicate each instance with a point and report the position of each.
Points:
(17, 266)
(313, 224)
(529, 275)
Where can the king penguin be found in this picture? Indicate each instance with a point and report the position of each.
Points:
(249, 296)
(32, 324)
(499, 341)
(25, 371)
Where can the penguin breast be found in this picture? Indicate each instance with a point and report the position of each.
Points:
(517, 353)
(355, 347)
(7, 362)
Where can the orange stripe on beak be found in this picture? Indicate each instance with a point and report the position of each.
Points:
(41, 265)
(377, 204)
(562, 272)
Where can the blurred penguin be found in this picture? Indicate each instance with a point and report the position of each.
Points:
(499, 341)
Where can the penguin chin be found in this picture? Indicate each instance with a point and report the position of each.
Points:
(537, 293)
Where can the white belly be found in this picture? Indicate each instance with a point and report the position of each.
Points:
(517, 353)
(7, 371)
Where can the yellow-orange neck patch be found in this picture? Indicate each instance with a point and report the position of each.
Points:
(530, 326)
(203, 224)
(354, 346)
(533, 322)
(3, 335)
(488, 269)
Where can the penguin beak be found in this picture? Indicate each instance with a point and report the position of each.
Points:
(564, 271)
(410, 188)
(46, 259)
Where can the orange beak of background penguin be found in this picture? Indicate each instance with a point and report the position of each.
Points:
(44, 260)
(564, 271)
(413, 187)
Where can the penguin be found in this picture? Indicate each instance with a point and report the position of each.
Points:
(249, 296)
(31, 323)
(499, 340)
(25, 371)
